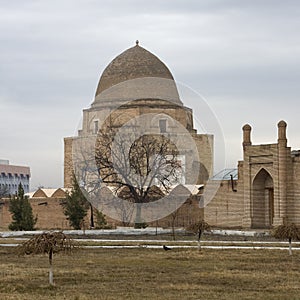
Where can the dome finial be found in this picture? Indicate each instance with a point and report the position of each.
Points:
(137, 42)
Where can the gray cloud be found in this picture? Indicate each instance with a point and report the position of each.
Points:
(243, 56)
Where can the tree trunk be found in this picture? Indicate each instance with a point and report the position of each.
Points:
(290, 246)
(199, 239)
(138, 218)
(51, 267)
(173, 231)
(92, 225)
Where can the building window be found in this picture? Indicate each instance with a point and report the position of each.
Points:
(163, 126)
(96, 126)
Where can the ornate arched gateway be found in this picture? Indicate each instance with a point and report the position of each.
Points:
(266, 173)
(266, 191)
(262, 200)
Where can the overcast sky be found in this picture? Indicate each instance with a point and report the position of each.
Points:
(242, 56)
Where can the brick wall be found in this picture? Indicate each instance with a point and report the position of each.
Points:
(226, 209)
(48, 210)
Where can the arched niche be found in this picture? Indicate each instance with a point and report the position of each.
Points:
(262, 200)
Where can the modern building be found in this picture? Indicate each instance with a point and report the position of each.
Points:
(11, 176)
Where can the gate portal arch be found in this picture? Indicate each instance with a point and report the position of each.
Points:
(262, 200)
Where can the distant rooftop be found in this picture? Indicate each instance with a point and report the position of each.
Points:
(226, 174)
(6, 168)
(296, 153)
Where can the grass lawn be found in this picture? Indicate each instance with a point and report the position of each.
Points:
(153, 274)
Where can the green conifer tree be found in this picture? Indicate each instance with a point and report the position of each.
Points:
(101, 222)
(75, 207)
(21, 211)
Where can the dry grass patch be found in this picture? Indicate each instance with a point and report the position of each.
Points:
(153, 274)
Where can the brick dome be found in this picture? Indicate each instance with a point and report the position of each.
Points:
(136, 73)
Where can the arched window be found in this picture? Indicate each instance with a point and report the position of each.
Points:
(163, 126)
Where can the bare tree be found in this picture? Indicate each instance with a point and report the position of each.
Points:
(4, 191)
(47, 243)
(287, 231)
(198, 228)
(140, 168)
(134, 170)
